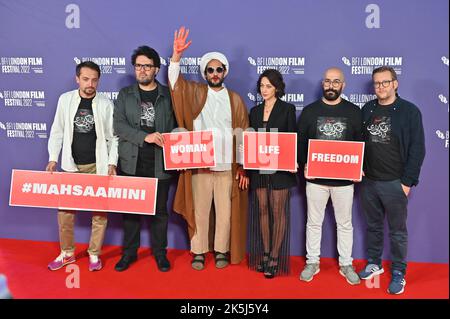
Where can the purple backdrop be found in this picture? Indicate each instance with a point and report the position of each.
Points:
(41, 42)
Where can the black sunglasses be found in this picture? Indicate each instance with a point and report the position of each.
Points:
(211, 70)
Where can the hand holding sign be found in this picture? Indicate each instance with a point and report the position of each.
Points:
(295, 171)
(305, 172)
(51, 167)
(156, 138)
(112, 170)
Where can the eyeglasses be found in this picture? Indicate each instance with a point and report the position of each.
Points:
(146, 67)
(334, 83)
(384, 83)
(211, 70)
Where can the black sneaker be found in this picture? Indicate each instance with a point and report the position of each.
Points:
(125, 262)
(163, 263)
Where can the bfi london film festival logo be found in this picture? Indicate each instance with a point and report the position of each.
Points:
(163, 61)
(363, 65)
(26, 130)
(188, 65)
(294, 98)
(443, 135)
(443, 100)
(108, 65)
(112, 95)
(358, 98)
(285, 65)
(22, 65)
(15, 98)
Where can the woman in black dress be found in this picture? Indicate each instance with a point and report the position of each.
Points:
(269, 210)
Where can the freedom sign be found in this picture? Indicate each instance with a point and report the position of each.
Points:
(270, 151)
(335, 159)
(184, 150)
(77, 191)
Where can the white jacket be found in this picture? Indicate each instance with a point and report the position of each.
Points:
(61, 133)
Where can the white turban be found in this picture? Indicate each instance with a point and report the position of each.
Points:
(213, 56)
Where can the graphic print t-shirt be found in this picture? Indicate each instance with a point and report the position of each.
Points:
(382, 160)
(84, 136)
(331, 128)
(146, 155)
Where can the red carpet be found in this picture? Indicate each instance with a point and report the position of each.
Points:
(25, 265)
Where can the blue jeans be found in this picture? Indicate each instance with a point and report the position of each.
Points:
(380, 198)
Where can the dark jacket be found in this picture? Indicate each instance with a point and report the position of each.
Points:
(127, 112)
(283, 119)
(406, 124)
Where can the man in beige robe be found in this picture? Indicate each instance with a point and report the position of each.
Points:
(200, 106)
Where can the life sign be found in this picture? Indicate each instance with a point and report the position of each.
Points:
(184, 150)
(270, 151)
(87, 192)
(335, 159)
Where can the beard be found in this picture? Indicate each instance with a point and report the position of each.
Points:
(145, 80)
(331, 94)
(214, 85)
(89, 91)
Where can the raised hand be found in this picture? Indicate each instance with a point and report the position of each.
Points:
(179, 43)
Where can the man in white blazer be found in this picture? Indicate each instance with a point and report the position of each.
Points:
(83, 129)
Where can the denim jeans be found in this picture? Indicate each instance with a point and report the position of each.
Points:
(380, 198)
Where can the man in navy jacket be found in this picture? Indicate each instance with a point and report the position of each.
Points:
(394, 153)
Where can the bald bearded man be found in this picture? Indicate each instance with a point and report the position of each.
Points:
(330, 118)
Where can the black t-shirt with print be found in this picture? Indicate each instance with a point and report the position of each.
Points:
(146, 155)
(84, 136)
(328, 122)
(382, 160)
